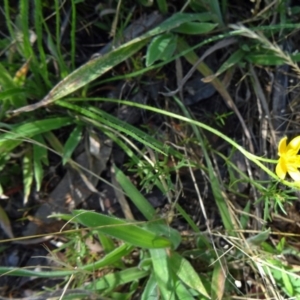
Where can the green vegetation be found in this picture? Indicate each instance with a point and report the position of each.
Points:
(96, 95)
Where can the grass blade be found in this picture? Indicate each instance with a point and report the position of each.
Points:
(135, 196)
(117, 279)
(19, 133)
(121, 229)
(71, 143)
(27, 173)
(187, 274)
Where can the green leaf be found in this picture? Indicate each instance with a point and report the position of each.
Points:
(71, 143)
(117, 279)
(257, 239)
(187, 274)
(233, 60)
(163, 229)
(27, 173)
(269, 59)
(7, 84)
(39, 157)
(163, 273)
(287, 283)
(151, 290)
(121, 229)
(195, 28)
(162, 6)
(9, 93)
(99, 118)
(245, 216)
(161, 48)
(12, 139)
(135, 196)
(182, 292)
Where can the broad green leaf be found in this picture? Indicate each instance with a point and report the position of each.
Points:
(287, 283)
(71, 143)
(184, 270)
(195, 28)
(161, 48)
(10, 140)
(117, 279)
(151, 289)
(182, 292)
(135, 196)
(27, 173)
(39, 158)
(121, 229)
(163, 273)
(163, 229)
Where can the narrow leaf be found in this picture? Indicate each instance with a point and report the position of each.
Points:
(163, 273)
(5, 223)
(161, 48)
(121, 229)
(151, 290)
(117, 279)
(195, 28)
(39, 157)
(27, 173)
(233, 60)
(187, 274)
(135, 196)
(10, 140)
(71, 143)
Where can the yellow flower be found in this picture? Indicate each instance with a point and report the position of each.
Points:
(289, 161)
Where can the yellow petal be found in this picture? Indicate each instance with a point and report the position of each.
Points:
(294, 173)
(294, 144)
(281, 169)
(292, 160)
(282, 146)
